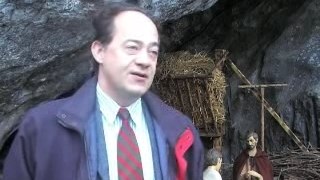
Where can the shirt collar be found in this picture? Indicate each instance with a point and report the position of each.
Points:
(110, 108)
(136, 113)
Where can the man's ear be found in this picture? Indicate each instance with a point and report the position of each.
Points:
(97, 51)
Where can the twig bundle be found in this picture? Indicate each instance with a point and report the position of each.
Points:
(297, 164)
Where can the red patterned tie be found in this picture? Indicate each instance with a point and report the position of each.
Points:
(129, 160)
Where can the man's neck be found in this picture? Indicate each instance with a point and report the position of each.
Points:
(123, 100)
(252, 152)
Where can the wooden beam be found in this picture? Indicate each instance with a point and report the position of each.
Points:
(261, 85)
(206, 134)
(268, 107)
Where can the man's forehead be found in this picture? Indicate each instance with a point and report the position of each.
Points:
(250, 138)
(137, 26)
(137, 41)
(133, 17)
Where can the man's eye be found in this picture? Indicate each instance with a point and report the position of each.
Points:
(132, 47)
(154, 53)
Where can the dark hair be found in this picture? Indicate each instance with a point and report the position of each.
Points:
(103, 21)
(212, 156)
(253, 134)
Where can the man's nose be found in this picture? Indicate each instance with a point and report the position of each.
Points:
(143, 58)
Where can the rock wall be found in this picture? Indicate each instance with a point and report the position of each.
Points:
(294, 58)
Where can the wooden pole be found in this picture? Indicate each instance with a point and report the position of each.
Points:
(262, 119)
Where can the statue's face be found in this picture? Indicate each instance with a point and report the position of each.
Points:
(251, 143)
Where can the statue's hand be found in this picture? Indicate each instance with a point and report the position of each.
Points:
(255, 174)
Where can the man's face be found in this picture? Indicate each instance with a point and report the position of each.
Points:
(128, 62)
(251, 143)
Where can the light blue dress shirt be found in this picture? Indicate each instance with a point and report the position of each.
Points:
(111, 126)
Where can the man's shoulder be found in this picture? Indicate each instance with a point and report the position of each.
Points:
(211, 174)
(40, 118)
(51, 107)
(240, 159)
(43, 112)
(243, 154)
(261, 154)
(48, 107)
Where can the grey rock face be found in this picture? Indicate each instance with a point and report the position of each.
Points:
(40, 47)
(174, 9)
(294, 58)
(44, 49)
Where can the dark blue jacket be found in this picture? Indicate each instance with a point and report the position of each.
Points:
(51, 145)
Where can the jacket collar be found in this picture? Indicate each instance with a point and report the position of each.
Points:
(78, 108)
(167, 117)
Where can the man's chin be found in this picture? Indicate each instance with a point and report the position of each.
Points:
(138, 92)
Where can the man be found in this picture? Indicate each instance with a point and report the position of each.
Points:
(213, 161)
(252, 163)
(112, 127)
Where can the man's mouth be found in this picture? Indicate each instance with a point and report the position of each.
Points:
(141, 75)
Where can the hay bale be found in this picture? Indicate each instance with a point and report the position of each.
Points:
(194, 84)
